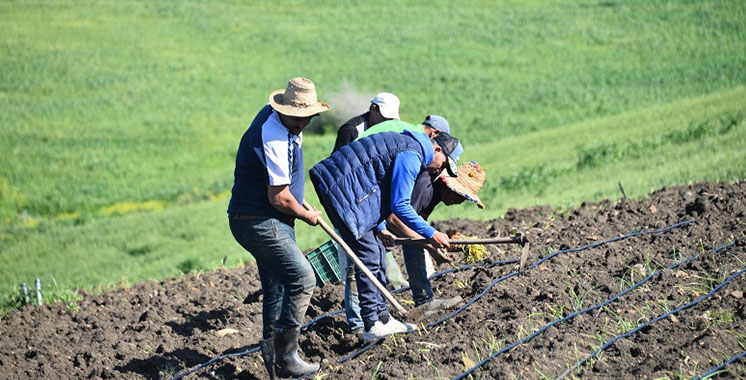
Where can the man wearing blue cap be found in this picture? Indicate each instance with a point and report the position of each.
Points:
(431, 126)
(415, 258)
(364, 182)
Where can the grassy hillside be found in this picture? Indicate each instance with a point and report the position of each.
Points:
(119, 121)
(694, 139)
(700, 139)
(128, 101)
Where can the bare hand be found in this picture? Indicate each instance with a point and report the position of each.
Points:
(441, 256)
(387, 238)
(439, 240)
(312, 216)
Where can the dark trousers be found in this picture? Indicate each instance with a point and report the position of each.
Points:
(370, 250)
(414, 260)
(286, 275)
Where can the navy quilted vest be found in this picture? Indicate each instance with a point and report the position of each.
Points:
(354, 182)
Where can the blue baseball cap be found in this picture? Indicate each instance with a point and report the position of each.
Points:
(437, 122)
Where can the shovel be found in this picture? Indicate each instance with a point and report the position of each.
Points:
(397, 306)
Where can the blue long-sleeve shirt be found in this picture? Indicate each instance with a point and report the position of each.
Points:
(407, 166)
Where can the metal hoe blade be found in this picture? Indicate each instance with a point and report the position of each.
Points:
(524, 257)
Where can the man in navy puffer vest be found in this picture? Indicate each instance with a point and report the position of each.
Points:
(363, 183)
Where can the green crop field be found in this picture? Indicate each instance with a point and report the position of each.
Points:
(119, 120)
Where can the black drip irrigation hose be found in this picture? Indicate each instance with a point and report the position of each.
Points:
(373, 343)
(438, 274)
(573, 315)
(537, 263)
(405, 288)
(721, 366)
(462, 308)
(665, 229)
(458, 269)
(256, 347)
(327, 315)
(656, 319)
(213, 360)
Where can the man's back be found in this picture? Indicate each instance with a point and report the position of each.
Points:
(350, 130)
(351, 178)
(392, 126)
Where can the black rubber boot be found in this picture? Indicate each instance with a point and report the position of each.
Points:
(268, 355)
(288, 363)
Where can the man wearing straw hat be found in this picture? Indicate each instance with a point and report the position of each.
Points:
(446, 189)
(266, 199)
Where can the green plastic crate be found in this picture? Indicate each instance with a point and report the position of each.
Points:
(325, 263)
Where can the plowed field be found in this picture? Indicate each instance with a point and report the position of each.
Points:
(581, 257)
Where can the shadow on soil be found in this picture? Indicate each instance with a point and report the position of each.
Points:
(164, 366)
(203, 321)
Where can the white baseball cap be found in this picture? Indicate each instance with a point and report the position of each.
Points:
(388, 104)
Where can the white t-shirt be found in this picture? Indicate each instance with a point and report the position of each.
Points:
(276, 140)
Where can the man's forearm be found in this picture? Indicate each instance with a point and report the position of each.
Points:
(283, 200)
(396, 226)
(403, 176)
(400, 229)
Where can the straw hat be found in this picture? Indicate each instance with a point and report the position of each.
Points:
(298, 99)
(470, 179)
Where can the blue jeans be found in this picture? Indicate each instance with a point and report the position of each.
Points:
(352, 304)
(414, 260)
(286, 275)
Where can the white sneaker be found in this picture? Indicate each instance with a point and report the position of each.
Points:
(407, 327)
(380, 330)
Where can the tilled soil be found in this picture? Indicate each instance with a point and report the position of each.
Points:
(156, 330)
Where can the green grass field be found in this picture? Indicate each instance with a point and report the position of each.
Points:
(119, 121)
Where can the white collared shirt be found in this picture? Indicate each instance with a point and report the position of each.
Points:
(276, 140)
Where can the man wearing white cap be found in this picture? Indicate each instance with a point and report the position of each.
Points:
(384, 106)
(266, 199)
(359, 186)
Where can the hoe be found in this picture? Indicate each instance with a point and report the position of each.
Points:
(517, 239)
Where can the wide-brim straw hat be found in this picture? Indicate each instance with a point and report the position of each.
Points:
(298, 99)
(468, 182)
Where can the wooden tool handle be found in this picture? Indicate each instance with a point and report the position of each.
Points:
(512, 240)
(398, 307)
